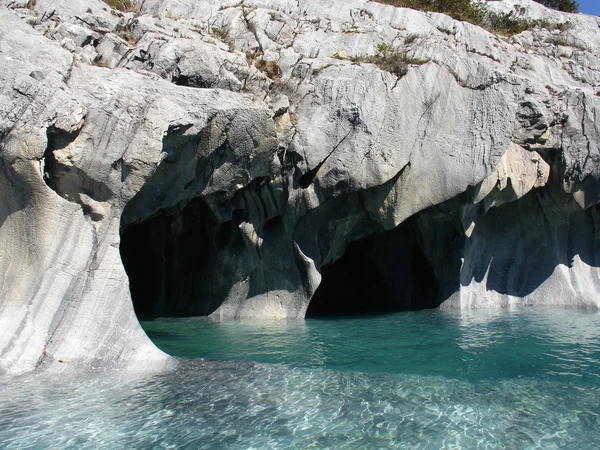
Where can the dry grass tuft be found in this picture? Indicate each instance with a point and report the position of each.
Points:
(390, 59)
(123, 5)
(270, 68)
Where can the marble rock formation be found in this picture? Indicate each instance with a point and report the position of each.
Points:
(265, 158)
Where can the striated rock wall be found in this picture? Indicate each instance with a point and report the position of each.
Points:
(239, 159)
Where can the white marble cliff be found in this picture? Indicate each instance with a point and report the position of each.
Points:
(225, 153)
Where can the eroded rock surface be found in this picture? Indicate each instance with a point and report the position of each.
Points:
(227, 154)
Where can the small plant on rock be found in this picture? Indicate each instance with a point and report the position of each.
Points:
(564, 42)
(270, 68)
(508, 23)
(251, 57)
(123, 5)
(128, 36)
(222, 34)
(390, 59)
(171, 15)
(126, 31)
(100, 62)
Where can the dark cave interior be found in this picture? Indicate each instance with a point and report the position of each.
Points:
(397, 270)
(176, 266)
(168, 260)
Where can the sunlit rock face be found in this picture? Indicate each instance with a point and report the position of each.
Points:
(237, 159)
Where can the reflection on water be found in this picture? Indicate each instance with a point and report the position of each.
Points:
(525, 379)
(473, 345)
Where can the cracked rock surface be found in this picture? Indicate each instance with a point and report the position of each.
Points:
(226, 154)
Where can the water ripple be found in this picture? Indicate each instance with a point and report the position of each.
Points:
(526, 383)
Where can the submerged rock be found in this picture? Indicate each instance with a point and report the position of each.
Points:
(228, 159)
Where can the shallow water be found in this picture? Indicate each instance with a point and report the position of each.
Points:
(553, 345)
(525, 379)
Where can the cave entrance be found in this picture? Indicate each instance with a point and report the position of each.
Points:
(414, 266)
(169, 261)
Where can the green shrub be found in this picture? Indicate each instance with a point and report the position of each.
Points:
(458, 9)
(562, 5)
(470, 11)
(475, 12)
(508, 23)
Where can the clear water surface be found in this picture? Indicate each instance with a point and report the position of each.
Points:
(502, 379)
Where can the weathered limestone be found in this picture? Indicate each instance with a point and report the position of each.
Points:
(223, 154)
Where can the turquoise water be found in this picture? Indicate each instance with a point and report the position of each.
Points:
(427, 380)
(473, 345)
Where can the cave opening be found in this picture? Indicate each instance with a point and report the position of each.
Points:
(412, 267)
(185, 261)
(169, 260)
